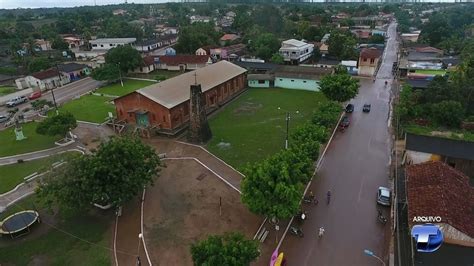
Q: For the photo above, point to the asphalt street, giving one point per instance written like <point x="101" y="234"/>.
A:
<point x="64" y="93"/>
<point x="355" y="165"/>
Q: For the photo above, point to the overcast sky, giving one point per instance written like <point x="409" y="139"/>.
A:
<point x="71" y="3"/>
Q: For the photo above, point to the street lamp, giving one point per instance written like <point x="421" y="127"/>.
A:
<point x="371" y="254"/>
<point x="140" y="236"/>
<point x="120" y="74"/>
<point x="287" y="124"/>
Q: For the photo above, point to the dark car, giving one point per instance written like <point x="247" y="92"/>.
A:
<point x="345" y="121"/>
<point x="4" y="118"/>
<point x="350" y="108"/>
<point x="366" y="108"/>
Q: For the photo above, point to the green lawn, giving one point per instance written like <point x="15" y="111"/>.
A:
<point x="253" y="127"/>
<point x="4" y="90"/>
<point x="11" y="175"/>
<point x="129" y="85"/>
<point x="154" y="74"/>
<point x="59" y="248"/>
<point x="431" y="72"/>
<point x="34" y="142"/>
<point x="90" y="108"/>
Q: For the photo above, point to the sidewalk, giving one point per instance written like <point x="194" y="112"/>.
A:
<point x="24" y="190"/>
<point x="37" y="154"/>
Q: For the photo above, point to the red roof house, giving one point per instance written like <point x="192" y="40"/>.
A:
<point x="437" y="189"/>
<point x="182" y="62"/>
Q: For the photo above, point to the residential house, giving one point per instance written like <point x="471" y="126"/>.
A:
<point x="369" y="60"/>
<point x="260" y="80"/>
<point x="362" y="34"/>
<point x="201" y="51"/>
<point x="166" y="30"/>
<point x="257" y="67"/>
<point x="73" y="42"/>
<point x="170" y="51"/>
<point x="227" y="53"/>
<point x="226" y="38"/>
<point x="197" y="18"/>
<point x="148" y="45"/>
<point x="300" y="77"/>
<point x="326" y="62"/>
<point x="165" y="106"/>
<point x="295" y="52"/>
<point x="147" y="65"/>
<point x="351" y="66"/>
<point x="182" y="62"/>
<point x="109" y="43"/>
<point x="43" y="80"/>
<point x="119" y="12"/>
<point x="436" y="189"/>
<point x="410" y="37"/>
<point x="378" y="32"/>
<point x="74" y="71"/>
<point x="456" y="153"/>
<point x="44" y="45"/>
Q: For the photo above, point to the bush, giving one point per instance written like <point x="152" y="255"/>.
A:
<point x="160" y="77"/>
<point x="8" y="70"/>
<point x="448" y="113"/>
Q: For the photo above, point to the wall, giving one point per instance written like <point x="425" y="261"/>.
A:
<point x="256" y="84"/>
<point x="300" y="84"/>
<point x="367" y="67"/>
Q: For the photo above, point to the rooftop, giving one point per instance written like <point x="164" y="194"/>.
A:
<point x="174" y="91"/>
<point x="113" y="40"/>
<point x="442" y="146"/>
<point x="436" y="189"/>
<point x="293" y="42"/>
<point x="49" y="73"/>
<point x="302" y="72"/>
<point x="260" y="77"/>
<point x="174" y="60"/>
<point x="71" y="67"/>
<point x="370" y="53"/>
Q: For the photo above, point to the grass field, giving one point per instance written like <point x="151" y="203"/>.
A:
<point x="450" y="134"/>
<point x="90" y="108"/>
<point x="4" y="90"/>
<point x="34" y="142"/>
<point x="252" y="127"/>
<point x="431" y="72"/>
<point x="48" y="246"/>
<point x="129" y="85"/>
<point x="11" y="175"/>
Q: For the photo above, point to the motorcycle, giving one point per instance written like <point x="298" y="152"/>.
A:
<point x="310" y="199"/>
<point x="328" y="197"/>
<point x="301" y="216"/>
<point x="381" y="218"/>
<point x="296" y="231"/>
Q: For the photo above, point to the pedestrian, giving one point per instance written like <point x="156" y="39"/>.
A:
<point x="321" y="231"/>
<point x="311" y="194"/>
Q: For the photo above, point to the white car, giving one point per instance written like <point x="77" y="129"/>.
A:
<point x="16" y="101"/>
<point x="383" y="196"/>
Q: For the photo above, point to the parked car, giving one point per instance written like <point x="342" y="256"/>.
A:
<point x="4" y="118"/>
<point x="366" y="108"/>
<point x="350" y="108"/>
<point x="345" y="121"/>
<point x="383" y="196"/>
<point x="16" y="101"/>
<point x="34" y="95"/>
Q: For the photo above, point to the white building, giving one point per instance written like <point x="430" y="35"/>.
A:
<point x="43" y="80"/>
<point x="109" y="43"/>
<point x="295" y="52"/>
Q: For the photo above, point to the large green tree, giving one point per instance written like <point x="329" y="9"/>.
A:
<point x="265" y="45"/>
<point x="116" y="173"/>
<point x="38" y="64"/>
<point x="231" y="249"/>
<point x="126" y="57"/>
<point x="342" y="45"/>
<point x="196" y="35"/>
<point x="339" y="87"/>
<point x="57" y="125"/>
<point x="449" y="113"/>
<point x="108" y="72"/>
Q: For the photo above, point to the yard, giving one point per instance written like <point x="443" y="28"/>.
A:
<point x="129" y="85"/>
<point x="440" y="132"/>
<point x="257" y="128"/>
<point x="4" y="90"/>
<point x="83" y="239"/>
<point x="11" y="175"/>
<point x="34" y="142"/>
<point x="183" y="207"/>
<point x="90" y="108"/>
<point x="431" y="72"/>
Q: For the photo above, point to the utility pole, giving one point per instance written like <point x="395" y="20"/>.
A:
<point x="52" y="89"/>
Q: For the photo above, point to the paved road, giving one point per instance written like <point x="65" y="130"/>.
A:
<point x="65" y="93"/>
<point x="356" y="163"/>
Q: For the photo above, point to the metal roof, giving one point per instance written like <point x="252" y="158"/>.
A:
<point x="441" y="146"/>
<point x="293" y="42"/>
<point x="174" y="91"/>
<point x="113" y="40"/>
<point x="260" y="77"/>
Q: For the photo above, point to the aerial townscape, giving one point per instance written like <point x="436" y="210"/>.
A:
<point x="233" y="133"/>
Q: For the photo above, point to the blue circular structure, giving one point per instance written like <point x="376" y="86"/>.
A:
<point x="19" y="223"/>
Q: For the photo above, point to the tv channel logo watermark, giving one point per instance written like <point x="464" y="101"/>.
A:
<point x="428" y="237"/>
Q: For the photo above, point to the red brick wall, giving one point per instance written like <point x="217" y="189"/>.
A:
<point x="170" y="119"/>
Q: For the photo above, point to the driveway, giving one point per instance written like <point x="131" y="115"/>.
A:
<point x="356" y="163"/>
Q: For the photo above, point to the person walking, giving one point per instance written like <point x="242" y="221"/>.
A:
<point x="321" y="232"/>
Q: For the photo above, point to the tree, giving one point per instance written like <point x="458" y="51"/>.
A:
<point x="231" y="249"/>
<point x="126" y="57"/>
<point x="277" y="58"/>
<point x="274" y="186"/>
<point x="339" y="87"/>
<point x="448" y="113"/>
<point x="308" y="139"/>
<point x="108" y="72"/>
<point x="38" y="64"/>
<point x="242" y="22"/>
<point x="342" y="45"/>
<point x="115" y="174"/>
<point x="326" y="115"/>
<point x="57" y="125"/>
<point x="59" y="44"/>
<point x="377" y="39"/>
<point x="265" y="45"/>
<point x="196" y="35"/>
